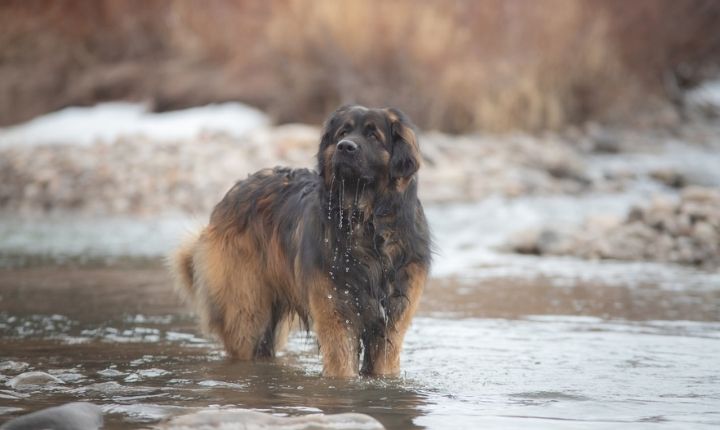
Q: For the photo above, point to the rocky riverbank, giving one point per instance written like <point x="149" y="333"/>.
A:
<point x="684" y="230"/>
<point x="137" y="175"/>
<point x="152" y="165"/>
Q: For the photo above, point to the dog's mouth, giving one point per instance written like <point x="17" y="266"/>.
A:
<point x="352" y="172"/>
<point x="346" y="166"/>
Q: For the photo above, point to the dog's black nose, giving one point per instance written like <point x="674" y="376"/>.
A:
<point x="347" y="146"/>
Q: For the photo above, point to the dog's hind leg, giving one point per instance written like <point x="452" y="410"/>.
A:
<point x="282" y="331"/>
<point x="276" y="332"/>
<point x="235" y="303"/>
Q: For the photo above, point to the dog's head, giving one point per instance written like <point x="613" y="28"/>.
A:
<point x="377" y="146"/>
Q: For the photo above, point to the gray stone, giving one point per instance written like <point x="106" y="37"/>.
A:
<point x="669" y="177"/>
<point x="71" y="416"/>
<point x="701" y="194"/>
<point x="242" y="419"/>
<point x="33" y="379"/>
<point x="602" y="141"/>
<point x="703" y="232"/>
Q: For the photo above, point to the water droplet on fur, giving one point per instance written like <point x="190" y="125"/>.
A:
<point x="347" y="291"/>
<point x="340" y="203"/>
<point x="327" y="240"/>
<point x="330" y="198"/>
<point x="347" y="321"/>
<point x="347" y="269"/>
<point x="329" y="296"/>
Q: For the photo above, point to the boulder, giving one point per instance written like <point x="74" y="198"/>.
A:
<point x="33" y="379"/>
<point x="71" y="416"/>
<point x="242" y="419"/>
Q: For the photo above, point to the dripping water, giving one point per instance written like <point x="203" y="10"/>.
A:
<point x="341" y="197"/>
<point x="385" y="339"/>
<point x="332" y="182"/>
<point x="329" y="210"/>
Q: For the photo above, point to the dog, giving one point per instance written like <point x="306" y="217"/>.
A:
<point x="345" y="248"/>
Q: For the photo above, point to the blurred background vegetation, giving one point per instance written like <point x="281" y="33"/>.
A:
<point x="455" y="66"/>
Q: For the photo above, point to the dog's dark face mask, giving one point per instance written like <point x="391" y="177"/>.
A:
<point x="374" y="146"/>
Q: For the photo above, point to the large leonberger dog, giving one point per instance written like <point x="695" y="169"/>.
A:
<point x="346" y="248"/>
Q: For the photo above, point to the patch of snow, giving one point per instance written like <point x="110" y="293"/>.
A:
<point x="109" y="121"/>
<point x="706" y="94"/>
<point x="698" y="164"/>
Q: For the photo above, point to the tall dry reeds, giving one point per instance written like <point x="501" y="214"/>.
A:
<point x="457" y="66"/>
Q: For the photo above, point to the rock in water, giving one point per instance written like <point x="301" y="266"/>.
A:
<point x="71" y="416"/>
<point x="231" y="419"/>
<point x="27" y="379"/>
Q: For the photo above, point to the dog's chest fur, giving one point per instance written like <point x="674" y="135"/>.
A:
<point x="361" y="252"/>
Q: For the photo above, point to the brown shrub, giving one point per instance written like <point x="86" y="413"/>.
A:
<point x="455" y="66"/>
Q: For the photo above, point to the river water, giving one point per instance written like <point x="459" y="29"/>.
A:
<point x="500" y="341"/>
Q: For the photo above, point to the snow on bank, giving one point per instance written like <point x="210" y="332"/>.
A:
<point x="707" y="94"/>
<point x="109" y="121"/>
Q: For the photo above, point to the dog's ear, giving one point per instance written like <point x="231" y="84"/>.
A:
<point x="405" y="154"/>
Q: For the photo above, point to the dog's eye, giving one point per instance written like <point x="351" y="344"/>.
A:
<point x="343" y="133"/>
<point x="371" y="134"/>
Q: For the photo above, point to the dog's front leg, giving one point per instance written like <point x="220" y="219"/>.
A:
<point x="384" y="352"/>
<point x="339" y="344"/>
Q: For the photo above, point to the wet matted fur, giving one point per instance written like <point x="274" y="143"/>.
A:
<point x="346" y="248"/>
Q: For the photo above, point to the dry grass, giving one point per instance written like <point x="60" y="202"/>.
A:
<point x="456" y="66"/>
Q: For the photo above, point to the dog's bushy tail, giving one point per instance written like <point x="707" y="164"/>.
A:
<point x="181" y="266"/>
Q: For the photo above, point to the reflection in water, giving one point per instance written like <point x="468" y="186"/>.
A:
<point x="493" y="354"/>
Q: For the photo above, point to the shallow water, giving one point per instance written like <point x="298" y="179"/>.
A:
<point x="500" y="341"/>
<point x="490" y="353"/>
